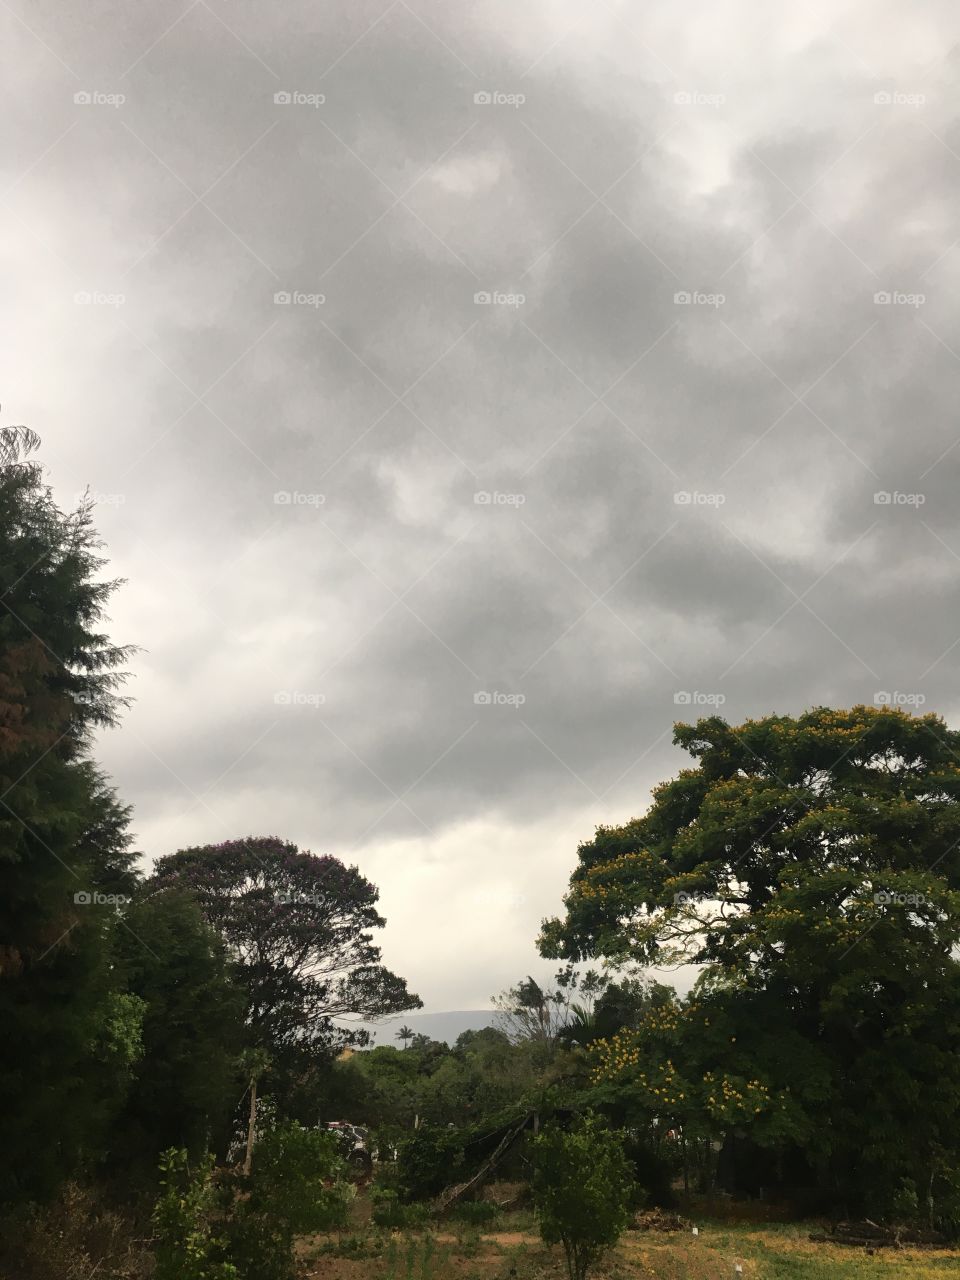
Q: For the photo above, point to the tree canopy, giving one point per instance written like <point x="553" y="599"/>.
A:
<point x="299" y="929"/>
<point x="811" y="866"/>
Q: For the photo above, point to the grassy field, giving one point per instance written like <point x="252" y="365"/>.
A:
<point x="514" y="1251"/>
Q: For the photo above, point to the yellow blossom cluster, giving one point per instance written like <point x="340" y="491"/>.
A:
<point x="726" y="1099"/>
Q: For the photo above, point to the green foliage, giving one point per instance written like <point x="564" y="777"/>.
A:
<point x="428" y="1160"/>
<point x="812" y="866"/>
<point x="414" y="1260"/>
<point x="121" y="1031"/>
<point x="245" y="1228"/>
<point x="186" y="1081"/>
<point x="187" y="1247"/>
<point x="296" y="1188"/>
<point x="389" y="1211"/>
<point x="476" y="1213"/>
<point x="581" y="1188"/>
<point x="298" y="1176"/>
<point x="62" y="833"/>
<point x="298" y="928"/>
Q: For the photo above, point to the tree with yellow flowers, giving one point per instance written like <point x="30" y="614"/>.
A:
<point x="810" y="866"/>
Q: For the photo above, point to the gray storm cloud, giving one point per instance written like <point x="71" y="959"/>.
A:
<point x="699" y="444"/>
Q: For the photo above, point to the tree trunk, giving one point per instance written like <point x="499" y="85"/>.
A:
<point x="251" y="1128"/>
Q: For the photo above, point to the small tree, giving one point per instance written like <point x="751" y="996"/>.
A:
<point x="581" y="1187"/>
<point x="404" y="1034"/>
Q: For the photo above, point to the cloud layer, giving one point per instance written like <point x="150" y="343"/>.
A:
<point x="609" y="335"/>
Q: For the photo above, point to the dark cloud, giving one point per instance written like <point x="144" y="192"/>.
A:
<point x="346" y="517"/>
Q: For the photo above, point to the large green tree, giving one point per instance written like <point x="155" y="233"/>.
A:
<point x="186" y="1083"/>
<point x="64" y="844"/>
<point x="299" y="930"/>
<point x="811" y="865"/>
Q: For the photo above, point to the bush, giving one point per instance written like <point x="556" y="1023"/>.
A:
<point x="427" y="1161"/>
<point x="390" y="1211"/>
<point x="74" y="1236"/>
<point x="475" y="1213"/>
<point x="245" y="1229"/>
<point x="581" y="1187"/>
<point x="296" y="1186"/>
<point x="187" y="1247"/>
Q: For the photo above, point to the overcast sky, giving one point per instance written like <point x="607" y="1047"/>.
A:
<point x="312" y="666"/>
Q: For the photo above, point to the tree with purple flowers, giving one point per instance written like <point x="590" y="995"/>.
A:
<point x="299" y="929"/>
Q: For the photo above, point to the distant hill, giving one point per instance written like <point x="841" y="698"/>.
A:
<point x="438" y="1026"/>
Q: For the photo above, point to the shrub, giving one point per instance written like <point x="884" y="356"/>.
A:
<point x="416" y="1261"/>
<point x="390" y="1211"/>
<point x="475" y="1213"/>
<point x="187" y="1247"/>
<point x="296" y="1186"/>
<point x="427" y="1161"/>
<point x="581" y="1184"/>
<point x="76" y="1235"/>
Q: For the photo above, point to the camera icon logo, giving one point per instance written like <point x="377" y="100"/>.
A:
<point x="82" y="98"/>
<point x="883" y="98"/>
<point x="681" y="298"/>
<point x="482" y="299"/>
<point x="883" y="498"/>
<point x="682" y="698"/>
<point x="482" y="699"/>
<point x="882" y="299"/>
<point x="83" y="898"/>
<point x="281" y="299"/>
<point x="282" y="698"/>
<point x="482" y="99"/>
<point x="282" y="99"/>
